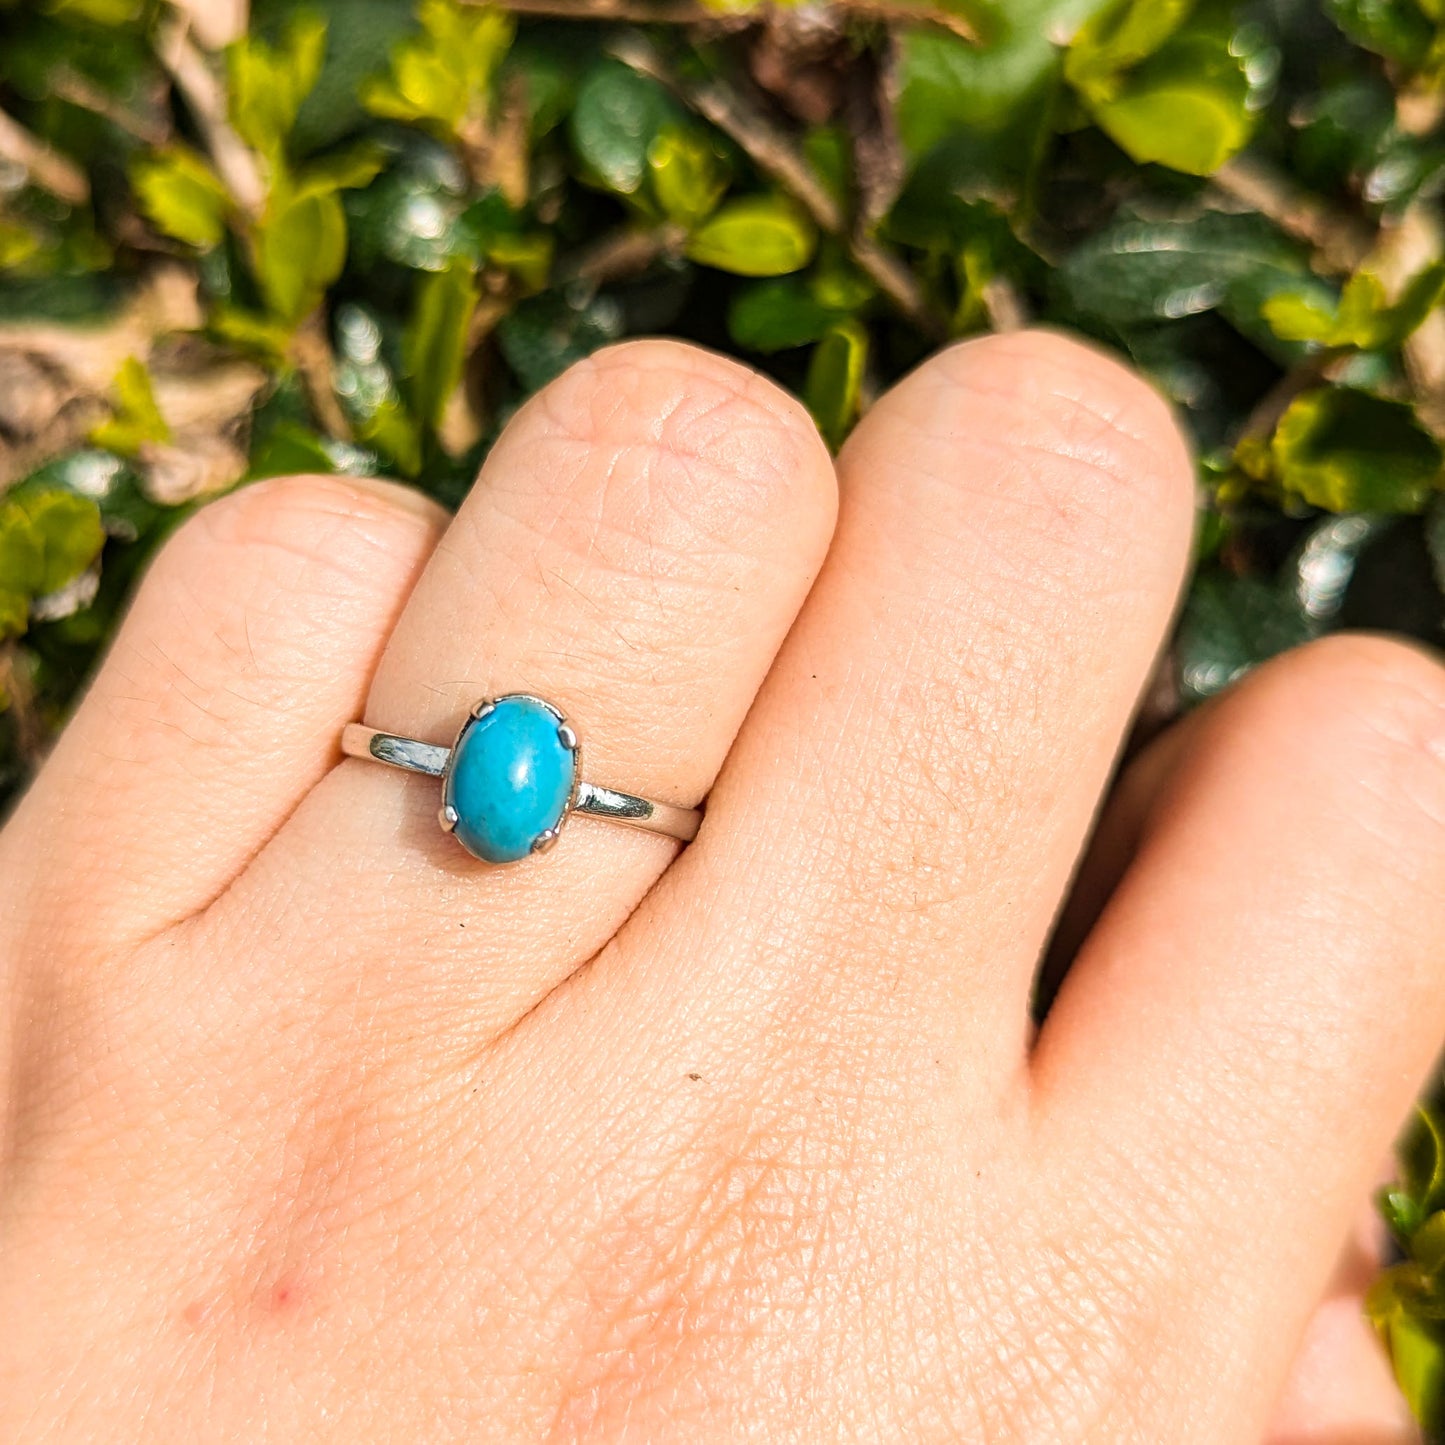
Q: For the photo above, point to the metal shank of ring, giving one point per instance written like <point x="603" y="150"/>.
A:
<point x="359" y="741"/>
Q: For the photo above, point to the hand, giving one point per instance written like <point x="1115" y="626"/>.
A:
<point x="314" y="1128"/>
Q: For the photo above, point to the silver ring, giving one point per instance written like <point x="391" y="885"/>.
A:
<point x="513" y="777"/>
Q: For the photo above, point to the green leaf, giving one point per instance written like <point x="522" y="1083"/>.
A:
<point x="617" y="117"/>
<point x="393" y="432"/>
<point x="343" y="170"/>
<point x="1293" y="317"/>
<point x="288" y="449"/>
<point x="1346" y="450"/>
<point x="1118" y="39"/>
<point x="14" y="616"/>
<point x="1230" y="625"/>
<point x="47" y="539"/>
<point x="1396" y="29"/>
<point x="368" y="390"/>
<point x="546" y="335"/>
<point x="268" y="83"/>
<point x="834" y="389"/>
<point x="263" y="335"/>
<point x="1421" y="295"/>
<point x="1364" y="318"/>
<point x="548" y="77"/>
<point x="755" y="236"/>
<point x="1143" y="272"/>
<point x="687" y="173"/>
<point x="1417" y="1352"/>
<point x="300" y="250"/>
<point x="98" y="12"/>
<point x="989" y="109"/>
<point x="525" y="255"/>
<point x="778" y="315"/>
<point x="17" y="244"/>
<point x="136" y="418"/>
<point x="443" y="76"/>
<point x="1190" y="106"/>
<point x="1422" y="1161"/>
<point x="434" y="348"/>
<point x="412" y="212"/>
<point x="181" y="195"/>
<point x="1427" y="1244"/>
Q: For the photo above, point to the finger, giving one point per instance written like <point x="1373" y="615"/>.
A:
<point x="908" y="798"/>
<point x="1340" y="1388"/>
<point x="257" y="626"/>
<point x="635" y="550"/>
<point x="1111" y="849"/>
<point x="1243" y="1032"/>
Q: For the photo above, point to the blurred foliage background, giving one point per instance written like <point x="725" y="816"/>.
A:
<point x="354" y="235"/>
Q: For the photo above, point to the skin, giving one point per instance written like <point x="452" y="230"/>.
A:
<point x="314" y="1129"/>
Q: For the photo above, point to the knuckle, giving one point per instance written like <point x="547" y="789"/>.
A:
<point x="1382" y="704"/>
<point x="1080" y="448"/>
<point x="1088" y="408"/>
<point x="337" y="524"/>
<point x="685" y="444"/>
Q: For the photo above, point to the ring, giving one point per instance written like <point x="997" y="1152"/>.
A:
<point x="512" y="779"/>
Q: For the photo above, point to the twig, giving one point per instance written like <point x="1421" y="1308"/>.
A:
<point x="1407" y="248"/>
<point x="67" y="431"/>
<point x="49" y="170"/>
<point x="1339" y="242"/>
<point x="70" y="85"/>
<point x="901" y="12"/>
<point x="317" y="369"/>
<point x="188" y="68"/>
<point x="16" y="684"/>
<point x="689" y="12"/>
<point x="622" y="254"/>
<point x="1311" y="372"/>
<point x="630" y="12"/>
<point x="775" y="155"/>
<point x="1007" y="310"/>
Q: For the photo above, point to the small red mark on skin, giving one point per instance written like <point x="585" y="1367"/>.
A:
<point x="194" y="1313"/>
<point x="285" y="1296"/>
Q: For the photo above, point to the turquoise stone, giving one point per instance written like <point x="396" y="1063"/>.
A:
<point x="510" y="779"/>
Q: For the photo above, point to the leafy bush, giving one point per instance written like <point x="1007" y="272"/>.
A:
<point x="354" y="236"/>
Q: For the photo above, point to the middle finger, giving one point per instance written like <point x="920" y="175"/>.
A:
<point x="910" y="795"/>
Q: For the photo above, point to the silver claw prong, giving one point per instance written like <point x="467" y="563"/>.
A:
<point x="482" y="709"/>
<point x="543" y="842"/>
<point x="567" y="737"/>
<point x="448" y="817"/>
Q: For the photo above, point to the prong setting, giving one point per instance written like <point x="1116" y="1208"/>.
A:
<point x="483" y="708"/>
<point x="567" y="736"/>
<point x="545" y="842"/>
<point x="448" y="817"/>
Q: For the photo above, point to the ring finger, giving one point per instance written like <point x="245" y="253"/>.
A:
<point x="635" y="550"/>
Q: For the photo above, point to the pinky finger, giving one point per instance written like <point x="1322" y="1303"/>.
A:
<point x="1341" y="1390"/>
<point x="252" y="638"/>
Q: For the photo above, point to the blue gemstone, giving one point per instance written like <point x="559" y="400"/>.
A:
<point x="510" y="780"/>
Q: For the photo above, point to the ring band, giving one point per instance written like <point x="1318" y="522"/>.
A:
<point x="512" y="779"/>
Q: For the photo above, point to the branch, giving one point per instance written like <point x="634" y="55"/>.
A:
<point x="1339" y="241"/>
<point x="1311" y="372"/>
<point x="188" y="68"/>
<point x="691" y="12"/>
<point x="18" y="687"/>
<point x="45" y="166"/>
<point x="70" y="85"/>
<point x="775" y="155"/>
<point x="316" y="367"/>
<point x="619" y="256"/>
